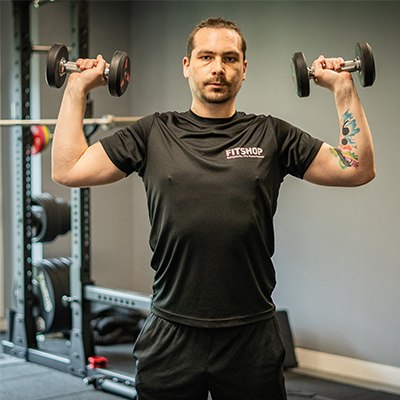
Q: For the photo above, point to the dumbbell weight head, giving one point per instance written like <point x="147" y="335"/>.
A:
<point x="300" y="75"/>
<point x="366" y="73"/>
<point x="119" y="74"/>
<point x="54" y="77"/>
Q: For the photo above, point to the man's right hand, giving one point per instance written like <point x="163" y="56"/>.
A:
<point x="91" y="77"/>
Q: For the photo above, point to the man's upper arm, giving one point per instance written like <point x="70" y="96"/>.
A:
<point x="94" y="168"/>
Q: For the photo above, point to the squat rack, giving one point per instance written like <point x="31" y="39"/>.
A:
<point x="22" y="335"/>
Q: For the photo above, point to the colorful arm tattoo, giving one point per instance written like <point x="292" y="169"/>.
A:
<point x="345" y="151"/>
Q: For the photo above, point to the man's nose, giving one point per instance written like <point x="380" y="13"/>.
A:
<point x="218" y="67"/>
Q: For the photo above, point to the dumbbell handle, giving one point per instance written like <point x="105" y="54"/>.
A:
<point x="69" y="67"/>
<point x="349" y="66"/>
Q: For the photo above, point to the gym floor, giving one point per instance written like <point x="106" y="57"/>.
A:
<point x="22" y="380"/>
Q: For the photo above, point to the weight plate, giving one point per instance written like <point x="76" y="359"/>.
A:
<point x="55" y="218"/>
<point x="119" y="74"/>
<point x="64" y="211"/>
<point x="46" y="297"/>
<point x="62" y="316"/>
<point x="56" y="284"/>
<point x="46" y="136"/>
<point x="41" y="218"/>
<point x="43" y="201"/>
<point x="58" y="280"/>
<point x="366" y="74"/>
<point x="65" y="266"/>
<point x="36" y="222"/>
<point x="300" y="75"/>
<point x="38" y="139"/>
<point x="54" y="57"/>
<point x="63" y="272"/>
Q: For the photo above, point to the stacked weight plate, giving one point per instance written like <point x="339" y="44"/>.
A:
<point x="50" y="284"/>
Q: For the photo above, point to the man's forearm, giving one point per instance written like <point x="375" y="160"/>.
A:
<point x="355" y="149"/>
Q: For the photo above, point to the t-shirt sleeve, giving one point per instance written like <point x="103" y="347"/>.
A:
<point x="297" y="149"/>
<point x="126" y="148"/>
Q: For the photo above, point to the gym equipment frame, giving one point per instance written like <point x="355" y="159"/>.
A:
<point x="22" y="332"/>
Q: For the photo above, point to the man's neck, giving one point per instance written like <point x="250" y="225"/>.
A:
<point x="210" y="110"/>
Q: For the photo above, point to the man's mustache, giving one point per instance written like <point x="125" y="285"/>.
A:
<point x="221" y="81"/>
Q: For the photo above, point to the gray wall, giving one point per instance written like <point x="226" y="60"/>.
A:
<point x="337" y="250"/>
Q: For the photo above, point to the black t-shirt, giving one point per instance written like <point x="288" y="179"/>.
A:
<point x="212" y="187"/>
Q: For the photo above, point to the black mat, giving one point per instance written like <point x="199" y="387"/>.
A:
<point x="22" y="380"/>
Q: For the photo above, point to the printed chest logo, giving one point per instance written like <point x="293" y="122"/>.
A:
<point x="244" y="152"/>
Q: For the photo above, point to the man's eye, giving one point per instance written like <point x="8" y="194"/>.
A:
<point x="230" y="59"/>
<point x="206" y="58"/>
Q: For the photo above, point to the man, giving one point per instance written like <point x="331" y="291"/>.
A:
<point x="212" y="177"/>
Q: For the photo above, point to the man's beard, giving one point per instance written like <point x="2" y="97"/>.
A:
<point x="217" y="96"/>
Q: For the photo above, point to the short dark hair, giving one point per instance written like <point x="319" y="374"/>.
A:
<point x="215" y="23"/>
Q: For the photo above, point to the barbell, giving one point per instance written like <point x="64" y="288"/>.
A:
<point x="41" y="135"/>
<point x="363" y="63"/>
<point x="106" y="122"/>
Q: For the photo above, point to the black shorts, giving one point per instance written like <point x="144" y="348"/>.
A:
<point x="179" y="362"/>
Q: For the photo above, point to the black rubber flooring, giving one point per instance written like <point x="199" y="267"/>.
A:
<point x="22" y="380"/>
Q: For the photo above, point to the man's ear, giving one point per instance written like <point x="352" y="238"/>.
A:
<point x="186" y="67"/>
<point x="244" y="69"/>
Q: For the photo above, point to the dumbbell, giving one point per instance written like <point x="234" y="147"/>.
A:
<point x="363" y="63"/>
<point x="57" y="66"/>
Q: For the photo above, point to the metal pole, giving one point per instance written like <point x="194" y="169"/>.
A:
<point x="107" y="121"/>
<point x="43" y="48"/>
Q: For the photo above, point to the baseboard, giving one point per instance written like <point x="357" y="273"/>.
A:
<point x="348" y="367"/>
